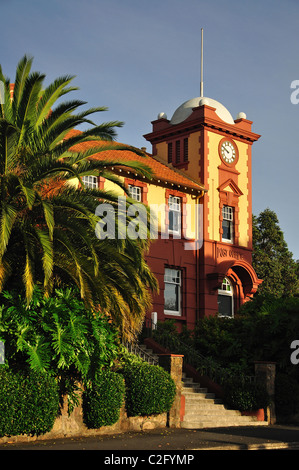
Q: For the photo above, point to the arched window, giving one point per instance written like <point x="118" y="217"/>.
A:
<point x="226" y="299"/>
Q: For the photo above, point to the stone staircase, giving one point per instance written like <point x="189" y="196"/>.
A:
<point x="202" y="408"/>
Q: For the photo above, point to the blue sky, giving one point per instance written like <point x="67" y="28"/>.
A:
<point x="140" y="58"/>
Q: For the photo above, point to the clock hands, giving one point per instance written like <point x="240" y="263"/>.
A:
<point x="228" y="152"/>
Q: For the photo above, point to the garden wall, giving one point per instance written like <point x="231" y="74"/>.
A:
<point x="73" y="426"/>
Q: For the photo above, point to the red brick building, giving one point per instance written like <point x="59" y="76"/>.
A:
<point x="201" y="159"/>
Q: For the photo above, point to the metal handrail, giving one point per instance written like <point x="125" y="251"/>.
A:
<point x="136" y="349"/>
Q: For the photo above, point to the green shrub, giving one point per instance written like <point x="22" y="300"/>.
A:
<point x="126" y="358"/>
<point x="103" y="400"/>
<point x="149" y="389"/>
<point x="245" y="396"/>
<point x="29" y="403"/>
<point x="286" y="396"/>
<point x="58" y="334"/>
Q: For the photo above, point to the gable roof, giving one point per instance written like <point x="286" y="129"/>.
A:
<point x="163" y="173"/>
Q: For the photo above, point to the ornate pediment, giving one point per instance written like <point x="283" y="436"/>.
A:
<point x="230" y="186"/>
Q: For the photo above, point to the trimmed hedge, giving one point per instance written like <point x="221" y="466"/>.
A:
<point x="149" y="389"/>
<point x="29" y="403"/>
<point x="103" y="400"/>
<point x="245" y="396"/>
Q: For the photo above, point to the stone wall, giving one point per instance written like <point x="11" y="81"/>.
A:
<point x="73" y="426"/>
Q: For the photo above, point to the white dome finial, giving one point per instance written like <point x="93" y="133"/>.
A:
<point x="203" y="101"/>
<point x="162" y="116"/>
<point x="241" y="115"/>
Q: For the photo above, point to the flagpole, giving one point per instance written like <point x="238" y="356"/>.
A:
<point x="201" y="66"/>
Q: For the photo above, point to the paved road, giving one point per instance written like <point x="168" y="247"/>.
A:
<point x="169" y="440"/>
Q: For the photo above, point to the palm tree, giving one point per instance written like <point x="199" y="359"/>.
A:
<point x="47" y="226"/>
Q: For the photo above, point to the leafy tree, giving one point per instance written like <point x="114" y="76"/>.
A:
<point x="272" y="260"/>
<point x="47" y="225"/>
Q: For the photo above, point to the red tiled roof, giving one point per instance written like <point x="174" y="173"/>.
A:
<point x="161" y="171"/>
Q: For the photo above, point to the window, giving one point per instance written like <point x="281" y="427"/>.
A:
<point x="226" y="299"/>
<point x="90" y="181"/>
<point x="185" y="150"/>
<point x="227" y="224"/>
<point x="177" y="151"/>
<point x="135" y="192"/>
<point x="170" y="152"/>
<point x="174" y="215"/>
<point x="172" y="291"/>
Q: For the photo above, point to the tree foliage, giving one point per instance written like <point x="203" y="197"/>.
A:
<point x="58" y="335"/>
<point x="272" y="260"/>
<point x="47" y="225"/>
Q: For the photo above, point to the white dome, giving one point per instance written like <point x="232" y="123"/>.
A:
<point x="185" y="110"/>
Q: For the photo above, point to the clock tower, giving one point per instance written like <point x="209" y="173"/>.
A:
<point x="204" y="141"/>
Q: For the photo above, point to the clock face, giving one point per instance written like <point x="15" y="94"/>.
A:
<point x="228" y="152"/>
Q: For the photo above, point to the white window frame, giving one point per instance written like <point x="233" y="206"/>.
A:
<point x="173" y="277"/>
<point x="135" y="192"/>
<point x="228" y="290"/>
<point x="174" y="207"/>
<point x="90" y="181"/>
<point x="228" y="216"/>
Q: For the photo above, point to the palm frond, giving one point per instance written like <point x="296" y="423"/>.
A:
<point x="8" y="140"/>
<point x="50" y="95"/>
<point x="22" y="72"/>
<point x="28" y="275"/>
<point x="8" y="216"/>
<point x="26" y="115"/>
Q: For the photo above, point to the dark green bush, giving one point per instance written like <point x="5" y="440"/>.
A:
<point x="286" y="396"/>
<point x="149" y="389"/>
<point x="103" y="400"/>
<point x="29" y="402"/>
<point x="244" y="396"/>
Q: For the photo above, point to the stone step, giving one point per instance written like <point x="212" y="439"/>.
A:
<point x="193" y="388"/>
<point x="216" y="417"/>
<point x="238" y="418"/>
<point x="203" y="409"/>
<point x="187" y="380"/>
<point x="204" y="401"/>
<point x="211" y="410"/>
<point x="198" y="395"/>
<point x="205" y="405"/>
<point x="217" y="423"/>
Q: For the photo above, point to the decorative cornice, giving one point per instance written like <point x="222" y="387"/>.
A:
<point x="202" y="116"/>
